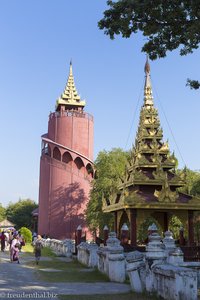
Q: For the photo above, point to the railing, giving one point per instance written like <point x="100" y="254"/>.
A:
<point x="71" y="113"/>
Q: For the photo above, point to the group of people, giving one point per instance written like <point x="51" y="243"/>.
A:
<point x="13" y="242"/>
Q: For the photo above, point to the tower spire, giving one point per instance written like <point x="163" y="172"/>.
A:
<point x="70" y="68"/>
<point x="148" y="97"/>
<point x="70" y="98"/>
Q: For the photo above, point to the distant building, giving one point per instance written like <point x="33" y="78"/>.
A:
<point x="5" y="224"/>
<point x="66" y="166"/>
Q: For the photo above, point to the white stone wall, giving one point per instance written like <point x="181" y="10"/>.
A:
<point x="160" y="269"/>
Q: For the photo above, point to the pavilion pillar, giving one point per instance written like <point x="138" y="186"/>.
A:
<point x="133" y="227"/>
<point x="165" y="221"/>
<point x="191" y="227"/>
<point x="115" y="223"/>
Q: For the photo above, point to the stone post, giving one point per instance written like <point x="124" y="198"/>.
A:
<point x="176" y="257"/>
<point x="93" y="258"/>
<point x="136" y="271"/>
<point x="124" y="234"/>
<point x="68" y="248"/>
<point x="105" y="234"/>
<point x="169" y="243"/>
<point x="155" y="254"/>
<point x="116" y="260"/>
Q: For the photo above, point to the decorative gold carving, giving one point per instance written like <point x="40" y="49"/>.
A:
<point x="164" y="147"/>
<point x="152" y="132"/>
<point x="170" y="160"/>
<point x="159" y="174"/>
<point x="155" y="145"/>
<point x="141" y="160"/>
<point x="160" y="133"/>
<point x="151" y="120"/>
<point x="157" y="158"/>
<point x="166" y="195"/>
<point x="142" y="146"/>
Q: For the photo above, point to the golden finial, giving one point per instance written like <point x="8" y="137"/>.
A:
<point x="70" y="68"/>
<point x="147" y="66"/>
<point x="70" y="95"/>
<point x="148" y="98"/>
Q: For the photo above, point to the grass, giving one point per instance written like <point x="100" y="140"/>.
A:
<point x="70" y="272"/>
<point x="48" y="252"/>
<point x="128" y="296"/>
<point x="27" y="249"/>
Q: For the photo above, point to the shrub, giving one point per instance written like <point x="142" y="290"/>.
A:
<point x="26" y="234"/>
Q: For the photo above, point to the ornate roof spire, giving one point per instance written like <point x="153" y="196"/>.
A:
<point x="70" y="97"/>
<point x="148" y="97"/>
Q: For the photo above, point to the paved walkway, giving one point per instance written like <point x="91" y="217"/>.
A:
<point x="19" y="281"/>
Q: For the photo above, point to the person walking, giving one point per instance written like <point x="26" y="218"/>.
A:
<point x="3" y="241"/>
<point x="14" y="248"/>
<point x="37" y="248"/>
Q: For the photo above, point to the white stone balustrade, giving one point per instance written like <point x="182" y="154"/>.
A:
<point x="160" y="269"/>
<point x="61" y="248"/>
<point x="102" y="253"/>
<point x="68" y="248"/>
<point x="175" y="283"/>
<point x="193" y="265"/>
<point x="87" y="254"/>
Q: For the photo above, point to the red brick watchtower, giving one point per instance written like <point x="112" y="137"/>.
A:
<point x="66" y="166"/>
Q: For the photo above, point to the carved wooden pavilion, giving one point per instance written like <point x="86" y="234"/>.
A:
<point x="149" y="188"/>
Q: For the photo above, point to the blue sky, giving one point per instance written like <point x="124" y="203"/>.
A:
<point x="38" y="40"/>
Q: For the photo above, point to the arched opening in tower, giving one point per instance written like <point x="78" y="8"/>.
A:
<point x="67" y="158"/>
<point x="56" y="154"/>
<point x="90" y="170"/>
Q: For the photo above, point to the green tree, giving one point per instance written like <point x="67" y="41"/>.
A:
<point x="142" y="233"/>
<point x="110" y="167"/>
<point x="2" y="212"/>
<point x="192" y="179"/>
<point x="195" y="190"/>
<point x="167" y="25"/>
<point x="174" y="226"/>
<point x="20" y="212"/>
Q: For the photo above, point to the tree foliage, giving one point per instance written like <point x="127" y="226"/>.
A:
<point x="142" y="233"/>
<point x="2" y="213"/>
<point x="192" y="178"/>
<point x="20" y="212"/>
<point x="174" y="226"/>
<point x="110" y="167"/>
<point x="167" y="25"/>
